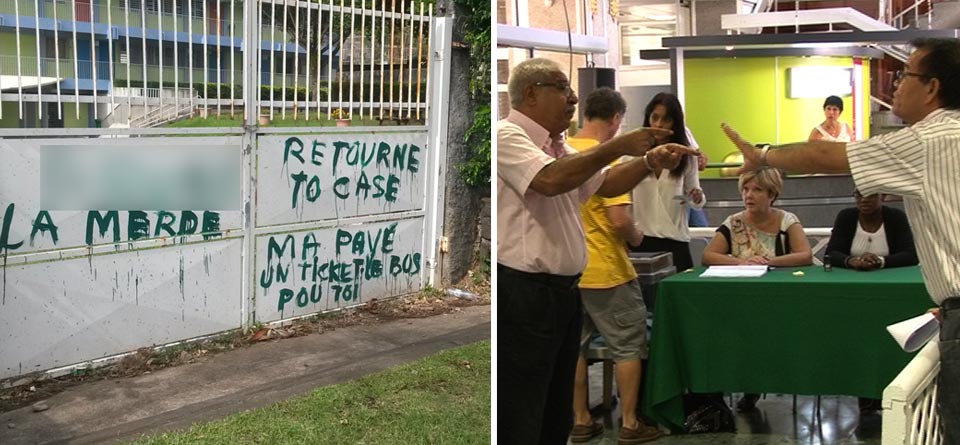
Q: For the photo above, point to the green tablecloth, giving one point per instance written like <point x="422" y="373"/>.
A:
<point x="820" y="333"/>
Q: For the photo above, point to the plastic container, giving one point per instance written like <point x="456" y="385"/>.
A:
<point x="652" y="267"/>
<point x="460" y="293"/>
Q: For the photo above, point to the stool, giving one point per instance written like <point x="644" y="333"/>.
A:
<point x="598" y="351"/>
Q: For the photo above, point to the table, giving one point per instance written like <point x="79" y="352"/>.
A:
<point x="820" y="333"/>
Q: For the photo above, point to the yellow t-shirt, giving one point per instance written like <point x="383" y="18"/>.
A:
<point x="607" y="262"/>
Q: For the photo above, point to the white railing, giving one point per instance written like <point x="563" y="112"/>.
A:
<point x="154" y="93"/>
<point x="162" y="115"/>
<point x="363" y="60"/>
<point x="910" y="402"/>
<point x="900" y="21"/>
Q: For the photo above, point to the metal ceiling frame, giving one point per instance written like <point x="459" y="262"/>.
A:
<point x="549" y="40"/>
<point x="678" y="47"/>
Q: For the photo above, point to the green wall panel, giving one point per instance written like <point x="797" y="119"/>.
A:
<point x="740" y="92"/>
<point x="11" y="117"/>
<point x="750" y="94"/>
<point x="70" y="119"/>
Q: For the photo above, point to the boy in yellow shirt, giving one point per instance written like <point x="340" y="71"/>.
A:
<point x="612" y="300"/>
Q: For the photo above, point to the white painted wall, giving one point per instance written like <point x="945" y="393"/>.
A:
<point x="64" y="302"/>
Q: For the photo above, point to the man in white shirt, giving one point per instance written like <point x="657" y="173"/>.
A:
<point x="541" y="248"/>
<point x="920" y="163"/>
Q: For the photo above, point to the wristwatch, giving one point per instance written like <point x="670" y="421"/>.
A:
<point x="763" y="155"/>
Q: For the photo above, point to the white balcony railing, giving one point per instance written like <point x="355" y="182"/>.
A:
<point x="910" y="402"/>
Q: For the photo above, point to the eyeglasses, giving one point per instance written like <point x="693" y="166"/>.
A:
<point x="565" y="87"/>
<point x="900" y="75"/>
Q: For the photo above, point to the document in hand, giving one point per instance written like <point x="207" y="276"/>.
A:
<point x="913" y="333"/>
<point x="734" y="271"/>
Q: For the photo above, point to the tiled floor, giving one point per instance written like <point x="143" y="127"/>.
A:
<point x="773" y="422"/>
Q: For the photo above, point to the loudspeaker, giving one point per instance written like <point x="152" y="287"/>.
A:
<point x="591" y="79"/>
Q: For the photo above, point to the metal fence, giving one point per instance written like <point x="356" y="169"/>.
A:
<point x="329" y="217"/>
<point x="317" y="59"/>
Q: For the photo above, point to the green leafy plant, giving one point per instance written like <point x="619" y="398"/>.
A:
<point x="476" y="170"/>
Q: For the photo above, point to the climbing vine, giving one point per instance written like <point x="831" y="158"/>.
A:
<point x="476" y="170"/>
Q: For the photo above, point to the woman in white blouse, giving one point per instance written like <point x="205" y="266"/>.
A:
<point x="871" y="236"/>
<point x="661" y="201"/>
<point x="831" y="129"/>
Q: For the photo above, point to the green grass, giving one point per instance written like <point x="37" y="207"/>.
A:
<point x="441" y="399"/>
<point x="226" y="120"/>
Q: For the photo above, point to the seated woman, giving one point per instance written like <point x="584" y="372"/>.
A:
<point x="867" y="237"/>
<point x="831" y="129"/>
<point x="760" y="234"/>
<point x="871" y="236"/>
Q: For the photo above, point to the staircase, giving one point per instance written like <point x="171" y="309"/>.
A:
<point x="163" y="115"/>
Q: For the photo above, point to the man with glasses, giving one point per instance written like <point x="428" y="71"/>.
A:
<point x="541" y="248"/>
<point x="920" y="163"/>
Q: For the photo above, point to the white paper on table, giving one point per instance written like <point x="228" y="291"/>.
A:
<point x="734" y="271"/>
<point x="913" y="333"/>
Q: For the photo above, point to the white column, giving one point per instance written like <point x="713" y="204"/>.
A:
<point x="436" y="184"/>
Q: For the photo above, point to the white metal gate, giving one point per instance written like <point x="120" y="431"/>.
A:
<point x="330" y="217"/>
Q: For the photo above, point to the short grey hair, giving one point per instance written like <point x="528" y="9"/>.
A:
<point x="528" y="73"/>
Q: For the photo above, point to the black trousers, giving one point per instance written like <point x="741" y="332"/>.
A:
<point x="948" y="388"/>
<point x="680" y="250"/>
<point x="539" y="318"/>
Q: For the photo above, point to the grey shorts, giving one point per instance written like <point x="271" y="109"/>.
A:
<point x="620" y="316"/>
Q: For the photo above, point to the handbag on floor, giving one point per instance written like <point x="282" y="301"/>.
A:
<point x="707" y="413"/>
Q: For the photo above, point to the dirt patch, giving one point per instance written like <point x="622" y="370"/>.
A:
<point x="427" y="303"/>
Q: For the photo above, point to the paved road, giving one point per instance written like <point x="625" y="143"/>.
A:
<point x="117" y="410"/>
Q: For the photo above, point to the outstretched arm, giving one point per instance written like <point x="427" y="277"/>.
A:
<point x="569" y="172"/>
<point x="804" y="157"/>
<point x="626" y="176"/>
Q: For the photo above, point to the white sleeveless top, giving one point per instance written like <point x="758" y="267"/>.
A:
<point x="843" y="137"/>
<point x="866" y="242"/>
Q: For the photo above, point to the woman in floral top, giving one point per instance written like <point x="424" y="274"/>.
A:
<point x="760" y="234"/>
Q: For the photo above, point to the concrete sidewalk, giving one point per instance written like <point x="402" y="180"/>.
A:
<point x="118" y="410"/>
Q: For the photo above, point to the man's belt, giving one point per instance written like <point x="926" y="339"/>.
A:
<point x="562" y="282"/>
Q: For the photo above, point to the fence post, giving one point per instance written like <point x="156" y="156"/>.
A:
<point x="250" y="96"/>
<point x="442" y="32"/>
